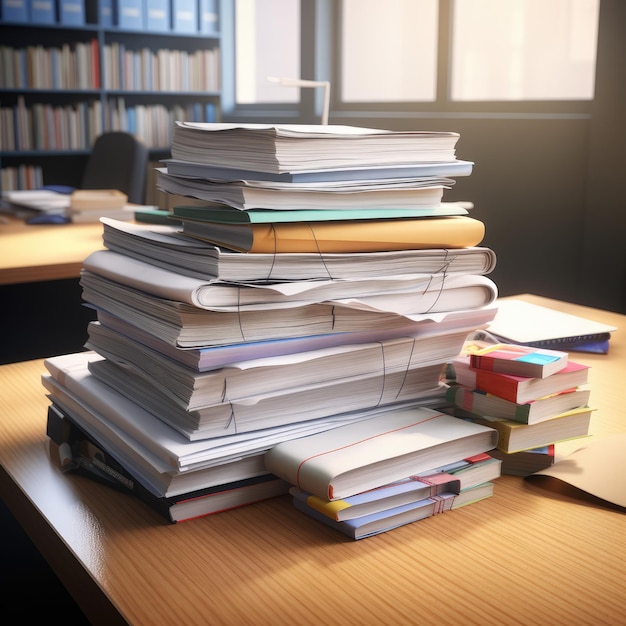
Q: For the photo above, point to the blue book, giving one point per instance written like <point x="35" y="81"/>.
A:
<point x="376" y="523"/>
<point x="131" y="120"/>
<point x="72" y="12"/>
<point x="42" y="12"/>
<point x="158" y="15"/>
<point x="209" y="112"/>
<point x="188" y="168"/>
<point x="105" y="13"/>
<point x="209" y="17"/>
<point x="15" y="10"/>
<point x="185" y="16"/>
<point x="130" y="14"/>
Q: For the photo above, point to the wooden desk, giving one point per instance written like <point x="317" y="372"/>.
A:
<point x="524" y="556"/>
<point x="30" y="253"/>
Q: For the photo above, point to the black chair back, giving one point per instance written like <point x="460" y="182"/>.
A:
<point x="118" y="161"/>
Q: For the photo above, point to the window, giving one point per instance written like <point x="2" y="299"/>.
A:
<point x="374" y="38"/>
<point x="267" y="36"/>
<point x="524" y="49"/>
<point x="418" y="55"/>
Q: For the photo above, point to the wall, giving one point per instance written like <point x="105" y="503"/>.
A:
<point x="528" y="186"/>
<point x="603" y="279"/>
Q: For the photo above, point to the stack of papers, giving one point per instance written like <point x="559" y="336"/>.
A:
<point x="206" y="355"/>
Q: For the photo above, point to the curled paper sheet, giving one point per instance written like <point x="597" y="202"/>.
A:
<point x="595" y="469"/>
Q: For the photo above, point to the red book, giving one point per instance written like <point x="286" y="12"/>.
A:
<point x="519" y="360"/>
<point x="519" y="389"/>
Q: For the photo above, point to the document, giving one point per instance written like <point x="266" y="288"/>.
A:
<point x="372" y="453"/>
<point x="246" y="195"/>
<point x="164" y="246"/>
<point x="595" y="469"/>
<point x="295" y="147"/>
<point x="422" y="293"/>
<point x="126" y="428"/>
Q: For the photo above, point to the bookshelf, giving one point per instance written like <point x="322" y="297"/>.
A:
<point x="117" y="65"/>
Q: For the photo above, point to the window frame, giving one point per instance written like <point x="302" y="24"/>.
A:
<point x="321" y="28"/>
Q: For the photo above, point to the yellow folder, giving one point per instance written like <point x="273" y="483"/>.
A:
<point x="342" y="237"/>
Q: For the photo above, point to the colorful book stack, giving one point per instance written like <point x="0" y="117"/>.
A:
<point x="205" y="357"/>
<point x="354" y="479"/>
<point x="533" y="397"/>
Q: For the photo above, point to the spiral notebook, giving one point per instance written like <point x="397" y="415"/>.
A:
<point x="529" y="324"/>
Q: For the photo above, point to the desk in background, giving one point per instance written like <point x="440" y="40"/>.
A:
<point x="524" y="556"/>
<point x="34" y="253"/>
<point x="42" y="310"/>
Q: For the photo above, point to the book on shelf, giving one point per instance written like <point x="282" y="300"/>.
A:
<point x="105" y="13"/>
<point x="530" y="412"/>
<point x="42" y="11"/>
<point x="457" y="231"/>
<point x="185" y="16"/>
<point x="519" y="389"/>
<point x="251" y="194"/>
<point x="296" y="147"/>
<point x="71" y="12"/>
<point x="15" y="11"/>
<point x="130" y="14"/>
<point x="525" y="462"/>
<point x="110" y="332"/>
<point x="128" y="278"/>
<point x="79" y="453"/>
<point x="166" y="247"/>
<point x="516" y="437"/>
<point x="449" y="169"/>
<point x="208" y="16"/>
<point x="384" y="521"/>
<point x="157" y="15"/>
<point x="340" y="463"/>
<point x="530" y="324"/>
<point x="519" y="360"/>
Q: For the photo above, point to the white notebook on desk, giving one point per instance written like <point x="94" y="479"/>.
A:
<point x="531" y="324"/>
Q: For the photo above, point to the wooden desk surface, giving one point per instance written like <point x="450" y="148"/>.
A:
<point x="524" y="556"/>
<point x="31" y="253"/>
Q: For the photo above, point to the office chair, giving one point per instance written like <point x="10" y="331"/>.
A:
<point x="119" y="161"/>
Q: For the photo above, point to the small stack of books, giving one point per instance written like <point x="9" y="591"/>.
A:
<point x="206" y="353"/>
<point x="368" y="478"/>
<point x="533" y="397"/>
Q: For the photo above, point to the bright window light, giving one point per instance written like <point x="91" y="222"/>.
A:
<point x="524" y="49"/>
<point x="267" y="44"/>
<point x="389" y="50"/>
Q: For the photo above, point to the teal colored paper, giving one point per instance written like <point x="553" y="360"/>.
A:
<point x="226" y="215"/>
